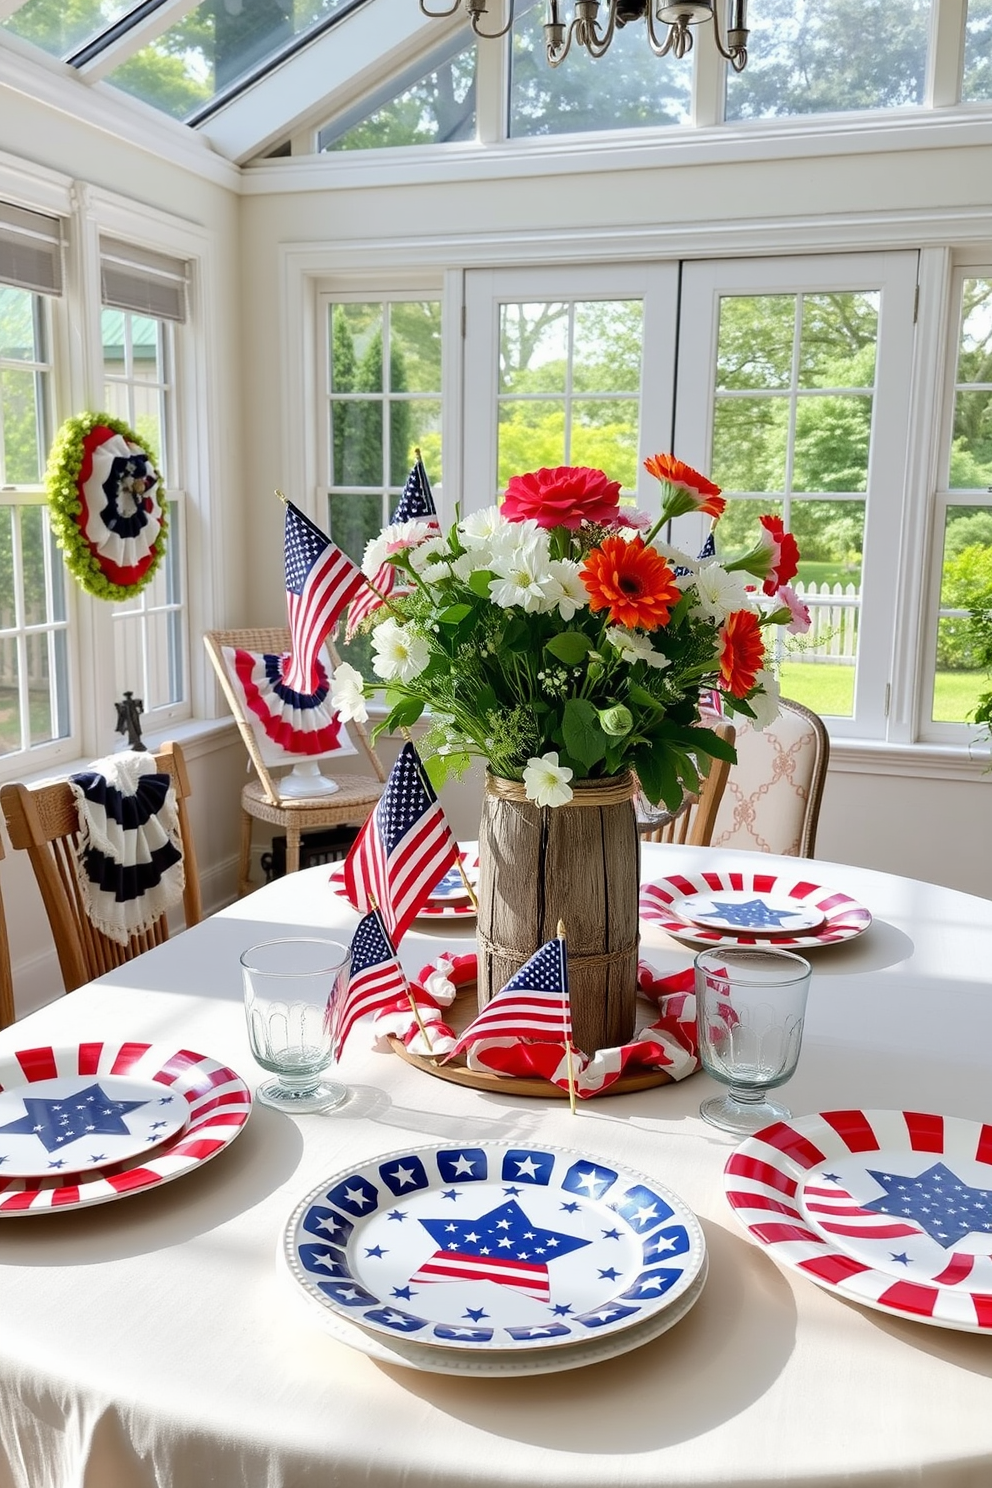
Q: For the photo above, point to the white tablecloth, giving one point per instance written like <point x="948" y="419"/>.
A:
<point x="152" y="1340"/>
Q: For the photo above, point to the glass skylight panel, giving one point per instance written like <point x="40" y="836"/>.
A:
<point x="977" y="82"/>
<point x="827" y="56"/>
<point x="213" y="48"/>
<point x="437" y="109"/>
<point x="631" y="89"/>
<point x="61" y="29"/>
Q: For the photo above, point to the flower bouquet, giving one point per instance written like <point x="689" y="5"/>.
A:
<point x="560" y="639"/>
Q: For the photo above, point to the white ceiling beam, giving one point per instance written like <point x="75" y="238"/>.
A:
<point x="352" y="56"/>
<point x="132" y="40"/>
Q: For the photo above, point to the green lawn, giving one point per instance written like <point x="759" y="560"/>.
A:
<point x="829" y="689"/>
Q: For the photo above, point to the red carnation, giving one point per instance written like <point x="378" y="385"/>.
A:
<point x="564" y="497"/>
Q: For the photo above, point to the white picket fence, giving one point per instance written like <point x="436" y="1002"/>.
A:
<point x="834" y="611"/>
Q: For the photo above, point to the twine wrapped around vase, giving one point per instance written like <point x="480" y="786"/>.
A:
<point x="578" y="863"/>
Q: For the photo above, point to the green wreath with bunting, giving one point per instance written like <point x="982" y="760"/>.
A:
<point x="104" y="498"/>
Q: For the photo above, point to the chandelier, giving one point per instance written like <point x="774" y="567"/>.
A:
<point x="667" y="25"/>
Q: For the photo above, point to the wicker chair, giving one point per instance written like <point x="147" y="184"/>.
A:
<point x="44" y="822"/>
<point x="350" y="805"/>
<point x="694" y="820"/>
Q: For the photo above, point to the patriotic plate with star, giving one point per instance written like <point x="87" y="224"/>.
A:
<point x="493" y="1247"/>
<point x="892" y="1209"/>
<point x="93" y="1122"/>
<point x="749" y="908"/>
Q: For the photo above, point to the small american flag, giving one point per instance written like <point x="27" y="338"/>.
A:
<point x="320" y="580"/>
<point x="416" y="504"/>
<point x="404" y="848"/>
<point x="708" y="550"/>
<point x="533" y="1005"/>
<point x="376" y="979"/>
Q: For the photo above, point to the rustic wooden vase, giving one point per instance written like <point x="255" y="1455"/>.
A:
<point x="579" y="864"/>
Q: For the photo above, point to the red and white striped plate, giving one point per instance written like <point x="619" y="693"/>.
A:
<point x="843" y="917"/>
<point x="218" y="1104"/>
<point x="892" y="1209"/>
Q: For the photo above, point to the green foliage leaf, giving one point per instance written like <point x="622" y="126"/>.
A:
<point x="405" y="713"/>
<point x="658" y="776"/>
<point x="443" y="767"/>
<point x="584" y="738"/>
<point x="569" y="647"/>
<point x="454" y="614"/>
<point x="479" y="582"/>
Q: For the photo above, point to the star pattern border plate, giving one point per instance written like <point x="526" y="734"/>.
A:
<point x="844" y="917"/>
<point x="800" y="1189"/>
<point x="627" y="1247"/>
<point x="495" y="1364"/>
<point x="218" y="1101"/>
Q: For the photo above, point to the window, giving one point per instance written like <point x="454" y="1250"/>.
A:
<point x="382" y="388"/>
<point x="793" y="379"/>
<point x="144" y="307"/>
<point x="963" y="514"/>
<point x="435" y="108"/>
<point x="820" y="56"/>
<point x="34" y="639"/>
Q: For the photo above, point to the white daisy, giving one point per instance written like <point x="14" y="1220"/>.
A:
<point x="522" y="571"/>
<point x="401" y="654"/>
<point x="348" y="694"/>
<point x="480" y="528"/>
<point x="718" y="592"/>
<point x="635" y="647"/>
<point x="765" y="704"/>
<point x="564" y="588"/>
<point x="546" y="781"/>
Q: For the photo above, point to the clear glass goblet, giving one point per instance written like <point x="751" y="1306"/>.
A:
<point x="750" y="1009"/>
<point x="293" y="989"/>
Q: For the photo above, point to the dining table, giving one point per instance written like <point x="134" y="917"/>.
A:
<point x="158" y="1339"/>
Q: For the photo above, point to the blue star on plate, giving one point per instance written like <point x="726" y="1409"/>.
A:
<point x="91" y="1110"/>
<point x="752" y="914"/>
<point x="942" y="1204"/>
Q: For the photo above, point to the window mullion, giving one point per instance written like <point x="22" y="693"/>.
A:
<point x="945" y="55"/>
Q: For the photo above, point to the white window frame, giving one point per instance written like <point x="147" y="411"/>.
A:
<point x="967" y="265"/>
<point x="886" y="596"/>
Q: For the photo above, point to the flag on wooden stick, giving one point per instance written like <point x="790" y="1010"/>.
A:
<point x="533" y="1005"/>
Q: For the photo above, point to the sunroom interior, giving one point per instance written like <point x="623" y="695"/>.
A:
<point x="293" y="240"/>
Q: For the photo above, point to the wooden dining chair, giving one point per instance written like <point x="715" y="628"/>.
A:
<point x="350" y="805"/>
<point x="43" y="821"/>
<point x="6" y="976"/>
<point x="693" y="822"/>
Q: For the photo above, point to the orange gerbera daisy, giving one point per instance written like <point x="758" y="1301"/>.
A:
<point x="742" y="652"/>
<point x="687" y="489"/>
<point x="632" y="581"/>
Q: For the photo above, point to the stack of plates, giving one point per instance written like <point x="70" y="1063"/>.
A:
<point x="493" y="1259"/>
<point x="752" y="908"/>
<point x="92" y="1122"/>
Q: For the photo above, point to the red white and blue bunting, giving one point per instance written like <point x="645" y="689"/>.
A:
<point x="286" y="722"/>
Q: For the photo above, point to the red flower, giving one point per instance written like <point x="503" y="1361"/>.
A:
<point x="783" y="554"/>
<point x="565" y="497"/>
<point x="687" y="489"/>
<point x="632" y="581"/>
<point x="742" y="652"/>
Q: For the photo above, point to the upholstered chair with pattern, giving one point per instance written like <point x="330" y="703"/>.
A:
<point x="771" y="802"/>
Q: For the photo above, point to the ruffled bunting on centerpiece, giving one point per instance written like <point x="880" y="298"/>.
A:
<point x="669" y="1043"/>
<point x="294" y="722"/>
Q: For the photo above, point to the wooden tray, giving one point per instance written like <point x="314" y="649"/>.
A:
<point x="460" y="1014"/>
